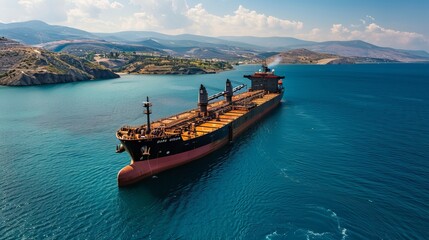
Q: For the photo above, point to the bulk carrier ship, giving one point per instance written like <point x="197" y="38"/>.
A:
<point x="169" y="142"/>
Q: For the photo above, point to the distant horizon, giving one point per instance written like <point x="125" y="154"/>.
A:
<point x="219" y="37"/>
<point x="395" y="24"/>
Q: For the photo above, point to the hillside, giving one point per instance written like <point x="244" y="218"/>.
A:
<point x="82" y="48"/>
<point x="228" y="48"/>
<point x="363" y="49"/>
<point x="177" y="48"/>
<point x="21" y="65"/>
<point x="305" y="56"/>
<point x="150" y="64"/>
<point x="269" y="43"/>
<point x="38" y="32"/>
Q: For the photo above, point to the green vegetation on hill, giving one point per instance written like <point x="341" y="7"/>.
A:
<point x="155" y="64"/>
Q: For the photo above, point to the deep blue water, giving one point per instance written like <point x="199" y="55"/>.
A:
<point x="346" y="156"/>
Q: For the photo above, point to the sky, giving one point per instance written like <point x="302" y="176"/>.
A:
<point x="391" y="23"/>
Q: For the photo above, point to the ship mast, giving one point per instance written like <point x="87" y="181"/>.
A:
<point x="203" y="100"/>
<point x="147" y="105"/>
<point x="228" y="91"/>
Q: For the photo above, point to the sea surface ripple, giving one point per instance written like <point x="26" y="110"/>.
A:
<point x="345" y="156"/>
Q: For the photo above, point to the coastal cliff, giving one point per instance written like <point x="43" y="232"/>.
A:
<point x="22" y="65"/>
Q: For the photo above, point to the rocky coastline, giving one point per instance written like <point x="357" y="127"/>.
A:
<point x="22" y="65"/>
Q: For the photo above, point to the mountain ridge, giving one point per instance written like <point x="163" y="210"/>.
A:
<point x="230" y="47"/>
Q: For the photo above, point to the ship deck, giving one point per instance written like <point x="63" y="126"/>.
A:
<point x="191" y="124"/>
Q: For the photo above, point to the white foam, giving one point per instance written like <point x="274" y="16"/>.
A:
<point x="284" y="173"/>
<point x="344" y="233"/>
<point x="273" y="235"/>
<point x="337" y="219"/>
<point x="315" y="233"/>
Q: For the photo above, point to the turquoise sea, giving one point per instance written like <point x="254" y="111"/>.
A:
<point x="345" y="156"/>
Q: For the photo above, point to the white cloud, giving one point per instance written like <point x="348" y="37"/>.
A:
<point x="159" y="15"/>
<point x="313" y="35"/>
<point x="340" y="32"/>
<point x="88" y="12"/>
<point x="24" y="10"/>
<point x="116" y="5"/>
<point x="90" y="6"/>
<point x="176" y="16"/>
<point x="370" y="17"/>
<point x="139" y="20"/>
<point x="381" y="36"/>
<point x="339" y="29"/>
<point x="243" y="22"/>
<point x="29" y="4"/>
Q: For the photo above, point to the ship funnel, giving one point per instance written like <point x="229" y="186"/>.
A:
<point x="147" y="111"/>
<point x="203" y="100"/>
<point x="228" y="91"/>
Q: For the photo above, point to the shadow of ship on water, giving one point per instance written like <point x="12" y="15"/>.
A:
<point x="178" y="182"/>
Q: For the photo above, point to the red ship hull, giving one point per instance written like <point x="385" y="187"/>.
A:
<point x="185" y="137"/>
<point x="139" y="170"/>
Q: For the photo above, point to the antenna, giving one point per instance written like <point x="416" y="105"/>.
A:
<point x="147" y="105"/>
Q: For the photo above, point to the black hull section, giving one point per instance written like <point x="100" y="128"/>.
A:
<point x="156" y="148"/>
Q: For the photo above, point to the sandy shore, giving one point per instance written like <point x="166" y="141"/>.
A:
<point x="326" y="60"/>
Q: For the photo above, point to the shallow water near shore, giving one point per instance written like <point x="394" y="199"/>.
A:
<point x="345" y="156"/>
